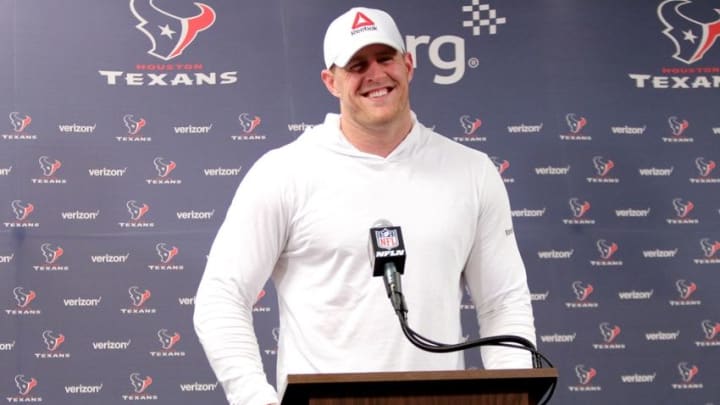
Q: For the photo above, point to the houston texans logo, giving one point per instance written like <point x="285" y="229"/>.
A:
<point x="49" y="167"/>
<point x="710" y="328"/>
<point x="248" y="124"/>
<point x="686" y="289"/>
<point x="602" y="165"/>
<point x="51" y="253"/>
<point x="470" y="126"/>
<point x="682" y="208"/>
<point x="138" y="297"/>
<point x="19" y="121"/>
<point x="136" y="210"/>
<point x="22" y="297"/>
<point x="609" y="333"/>
<point x="21" y="209"/>
<point x="584" y="375"/>
<point x="705" y="167"/>
<point x="578" y="209"/>
<point x="140" y="384"/>
<point x="24" y="385"/>
<point x="687" y="372"/>
<point x="167" y="340"/>
<point x="133" y="126"/>
<point x="709" y="248"/>
<point x="676" y="126"/>
<point x="276" y="333"/>
<point x="169" y="34"/>
<point x="582" y="291"/>
<point x="52" y="340"/>
<point x="607" y="250"/>
<point x="575" y="123"/>
<point x="163" y="167"/>
<point x="501" y="165"/>
<point x="692" y="38"/>
<point x="166" y="252"/>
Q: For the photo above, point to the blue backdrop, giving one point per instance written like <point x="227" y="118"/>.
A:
<point x="130" y="124"/>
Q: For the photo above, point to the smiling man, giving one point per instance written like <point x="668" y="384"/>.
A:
<point x="301" y="216"/>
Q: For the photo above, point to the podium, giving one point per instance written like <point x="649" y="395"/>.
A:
<point x="467" y="387"/>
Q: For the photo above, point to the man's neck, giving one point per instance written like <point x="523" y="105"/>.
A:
<point x="381" y="140"/>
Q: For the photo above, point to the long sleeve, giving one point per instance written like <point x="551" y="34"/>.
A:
<point x="496" y="277"/>
<point x="240" y="262"/>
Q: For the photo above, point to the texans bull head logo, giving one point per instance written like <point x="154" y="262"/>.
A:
<point x="682" y="207"/>
<point x="247" y="123"/>
<point x="687" y="372"/>
<point x="606" y="249"/>
<point x="711" y="329"/>
<point x="49" y="166"/>
<point x="166" y="252"/>
<point x="677" y="126"/>
<point x="51" y="253"/>
<point x="21" y="209"/>
<point x="578" y="209"/>
<point x="167" y="340"/>
<point x="164" y="167"/>
<point x="685" y="288"/>
<point x="692" y="38"/>
<point x="584" y="375"/>
<point x="133" y="126"/>
<point x="52" y="340"/>
<point x="705" y="167"/>
<point x="22" y="297"/>
<point x="575" y="123"/>
<point x="582" y="291"/>
<point x="709" y="248"/>
<point x="609" y="333"/>
<point x="137" y="210"/>
<point x="469" y="125"/>
<point x="169" y="34"/>
<point x="24" y="385"/>
<point x="602" y="165"/>
<point x="137" y="297"/>
<point x="19" y="121"/>
<point x="140" y="384"/>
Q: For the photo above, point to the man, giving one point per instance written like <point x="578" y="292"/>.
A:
<point x="301" y="217"/>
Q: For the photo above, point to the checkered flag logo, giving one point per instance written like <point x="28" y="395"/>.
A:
<point x="482" y="16"/>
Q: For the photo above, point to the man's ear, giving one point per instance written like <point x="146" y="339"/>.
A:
<point x="409" y="64"/>
<point x="328" y="77"/>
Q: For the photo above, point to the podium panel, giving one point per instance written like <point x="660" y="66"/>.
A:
<point x="471" y="387"/>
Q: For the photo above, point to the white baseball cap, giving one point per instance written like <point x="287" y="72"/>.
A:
<point x="357" y="28"/>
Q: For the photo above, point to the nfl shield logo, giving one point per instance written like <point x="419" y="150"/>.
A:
<point x="387" y="238"/>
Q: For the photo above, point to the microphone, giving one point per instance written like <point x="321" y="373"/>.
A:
<point x="387" y="258"/>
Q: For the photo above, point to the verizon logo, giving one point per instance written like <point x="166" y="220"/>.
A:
<point x="193" y="129"/>
<point x="654" y="171"/>
<point x="301" y="127"/>
<point x="7" y="258"/>
<point x="552" y="171"/>
<point x="82" y="302"/>
<point x="198" y="387"/>
<point x="659" y="254"/>
<point x="626" y="130"/>
<point x="635" y="295"/>
<point x="632" y="213"/>
<point x="221" y="171"/>
<point x="637" y="378"/>
<point x="80" y="215"/>
<point x="524" y="129"/>
<point x="108" y="258"/>
<point x="186" y="301"/>
<point x="83" y="389"/>
<point x="556" y="254"/>
<point x="655" y="336"/>
<point x="111" y="345"/>
<point x="105" y="172"/>
<point x="557" y="338"/>
<point x="76" y="128"/>
<point x="5" y="171"/>
<point x="195" y="214"/>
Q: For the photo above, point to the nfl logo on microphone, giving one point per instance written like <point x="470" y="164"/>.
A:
<point x="387" y="238"/>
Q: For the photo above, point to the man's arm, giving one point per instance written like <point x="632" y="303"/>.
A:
<point x="241" y="260"/>
<point x="496" y="277"/>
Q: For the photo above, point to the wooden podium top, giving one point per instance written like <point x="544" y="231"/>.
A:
<point x="517" y="386"/>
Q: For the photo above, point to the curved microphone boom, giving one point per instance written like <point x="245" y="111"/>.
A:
<point x="387" y="258"/>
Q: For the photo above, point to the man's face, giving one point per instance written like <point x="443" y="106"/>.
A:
<point x="373" y="87"/>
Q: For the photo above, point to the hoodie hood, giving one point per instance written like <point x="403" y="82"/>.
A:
<point x="328" y="136"/>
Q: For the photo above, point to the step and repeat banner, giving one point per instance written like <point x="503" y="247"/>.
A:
<point x="130" y="123"/>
